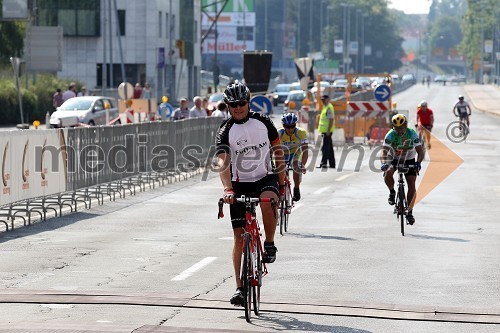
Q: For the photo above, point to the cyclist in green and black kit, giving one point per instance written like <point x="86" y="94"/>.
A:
<point x="401" y="145"/>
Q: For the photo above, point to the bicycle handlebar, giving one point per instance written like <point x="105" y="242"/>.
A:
<point x="246" y="201"/>
<point x="404" y="168"/>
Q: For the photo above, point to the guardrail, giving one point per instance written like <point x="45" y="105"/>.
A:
<point x="44" y="170"/>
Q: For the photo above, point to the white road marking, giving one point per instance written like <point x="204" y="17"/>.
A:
<point x="321" y="190"/>
<point x="193" y="269"/>
<point x="345" y="176"/>
<point x="226" y="238"/>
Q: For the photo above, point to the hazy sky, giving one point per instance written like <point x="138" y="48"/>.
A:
<point x="411" y="6"/>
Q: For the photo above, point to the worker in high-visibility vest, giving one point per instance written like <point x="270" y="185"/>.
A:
<point x="326" y="128"/>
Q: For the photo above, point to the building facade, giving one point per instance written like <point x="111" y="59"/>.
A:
<point x="158" y="41"/>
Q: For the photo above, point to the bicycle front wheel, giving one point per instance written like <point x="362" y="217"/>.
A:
<point x="282" y="217"/>
<point x="288" y="204"/>
<point x="401" y="209"/>
<point x="247" y="277"/>
<point x="258" y="281"/>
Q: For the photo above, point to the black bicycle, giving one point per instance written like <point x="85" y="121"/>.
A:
<point x="401" y="206"/>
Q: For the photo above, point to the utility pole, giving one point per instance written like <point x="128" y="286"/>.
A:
<point x="481" y="47"/>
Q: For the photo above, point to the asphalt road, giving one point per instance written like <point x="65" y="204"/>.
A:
<point x="343" y="267"/>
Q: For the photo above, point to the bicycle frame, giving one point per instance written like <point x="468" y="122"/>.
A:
<point x="401" y="206"/>
<point x="286" y="203"/>
<point x="253" y="268"/>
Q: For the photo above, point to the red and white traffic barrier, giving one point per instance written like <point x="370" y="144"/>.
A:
<point x="367" y="108"/>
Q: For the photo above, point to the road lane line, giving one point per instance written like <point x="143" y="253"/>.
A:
<point x="345" y="176"/>
<point x="321" y="190"/>
<point x="193" y="269"/>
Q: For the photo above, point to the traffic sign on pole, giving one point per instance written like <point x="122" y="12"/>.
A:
<point x="261" y="104"/>
<point x="382" y="92"/>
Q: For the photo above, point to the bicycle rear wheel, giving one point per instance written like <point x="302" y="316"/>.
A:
<point x="247" y="277"/>
<point x="401" y="209"/>
<point x="258" y="284"/>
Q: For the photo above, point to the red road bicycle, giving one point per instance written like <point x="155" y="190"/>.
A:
<point x="253" y="269"/>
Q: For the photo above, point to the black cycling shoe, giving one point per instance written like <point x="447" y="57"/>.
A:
<point x="238" y="298"/>
<point x="392" y="198"/>
<point x="410" y="218"/>
<point x="269" y="253"/>
<point x="296" y="194"/>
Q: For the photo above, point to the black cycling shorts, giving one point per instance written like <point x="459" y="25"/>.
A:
<point x="411" y="171"/>
<point x="254" y="190"/>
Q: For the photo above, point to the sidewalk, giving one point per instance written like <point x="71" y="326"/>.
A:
<point x="484" y="97"/>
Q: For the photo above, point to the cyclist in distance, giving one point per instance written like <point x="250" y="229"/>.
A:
<point x="294" y="140"/>
<point x="244" y="144"/>
<point x="401" y="144"/>
<point x="425" y="119"/>
<point x="463" y="110"/>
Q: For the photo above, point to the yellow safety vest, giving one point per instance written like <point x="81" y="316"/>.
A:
<point x="324" y="121"/>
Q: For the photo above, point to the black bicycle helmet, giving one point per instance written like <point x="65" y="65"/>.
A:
<point x="235" y="92"/>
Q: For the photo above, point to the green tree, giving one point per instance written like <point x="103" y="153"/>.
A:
<point x="11" y="39"/>
<point x="481" y="17"/>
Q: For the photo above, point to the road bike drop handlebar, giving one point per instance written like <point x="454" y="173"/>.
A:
<point x="248" y="201"/>
<point x="403" y="168"/>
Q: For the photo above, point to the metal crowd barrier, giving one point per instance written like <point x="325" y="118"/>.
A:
<point x="48" y="170"/>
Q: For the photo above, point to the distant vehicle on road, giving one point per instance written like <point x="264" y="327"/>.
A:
<point x="409" y="78"/>
<point x="90" y="110"/>
<point x="214" y="99"/>
<point x="297" y="96"/>
<point x="280" y="93"/>
<point x="440" y="78"/>
<point x="458" y="79"/>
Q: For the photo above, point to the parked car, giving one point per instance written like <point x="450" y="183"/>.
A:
<point x="280" y="93"/>
<point x="297" y="96"/>
<point x="90" y="110"/>
<point x="458" y="79"/>
<point x="325" y="88"/>
<point x="409" y="77"/>
<point x="214" y="99"/>
<point x="440" y="78"/>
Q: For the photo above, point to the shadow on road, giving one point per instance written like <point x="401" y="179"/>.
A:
<point x="278" y="322"/>
<point x="293" y="234"/>
<point x="43" y="226"/>
<point x="450" y="239"/>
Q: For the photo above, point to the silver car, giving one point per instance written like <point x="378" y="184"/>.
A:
<point x="89" y="110"/>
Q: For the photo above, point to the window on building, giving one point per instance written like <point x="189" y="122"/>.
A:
<point x="167" y="27"/>
<point x="195" y="31"/>
<point x="78" y="18"/>
<point x="173" y="25"/>
<point x="160" y="29"/>
<point x="244" y="33"/>
<point x="121" y="21"/>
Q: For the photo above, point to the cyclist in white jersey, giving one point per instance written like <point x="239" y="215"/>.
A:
<point x="462" y="110"/>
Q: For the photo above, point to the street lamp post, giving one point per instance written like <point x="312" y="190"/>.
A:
<point x="15" y="61"/>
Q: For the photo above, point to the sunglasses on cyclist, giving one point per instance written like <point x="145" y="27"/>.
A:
<point x="238" y="103"/>
<point x="289" y="126"/>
